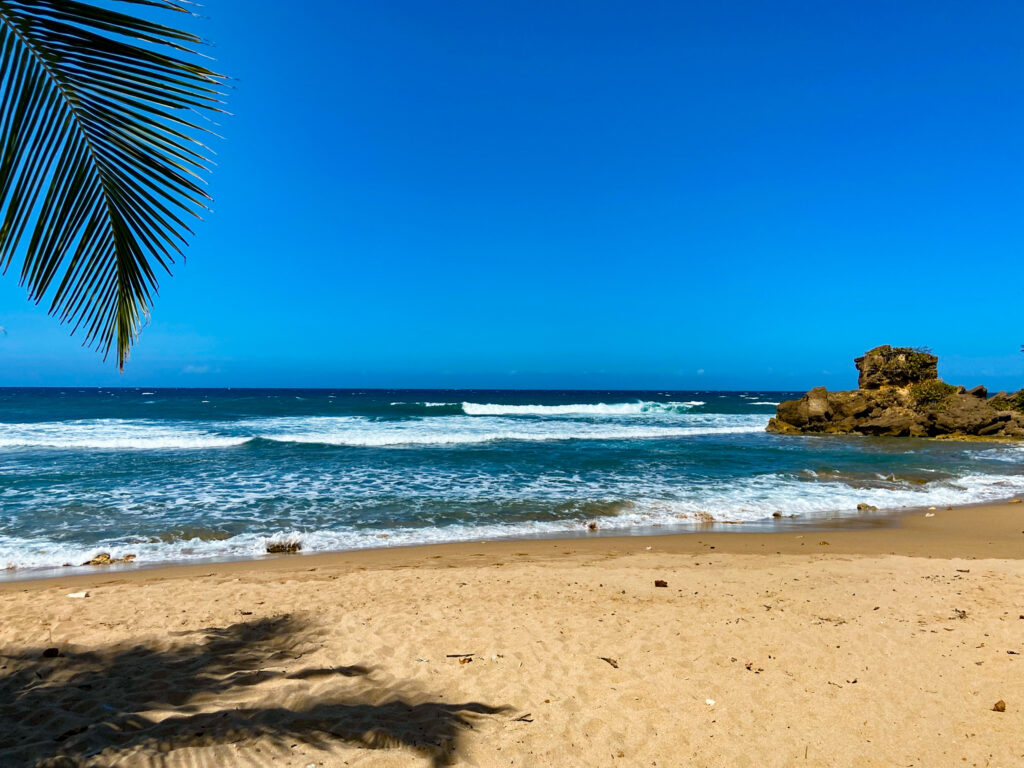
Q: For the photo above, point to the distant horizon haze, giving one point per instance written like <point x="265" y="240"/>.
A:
<point x="966" y="371"/>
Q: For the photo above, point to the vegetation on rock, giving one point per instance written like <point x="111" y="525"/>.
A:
<point x="896" y="367"/>
<point x="933" y="393"/>
<point x="1012" y="402"/>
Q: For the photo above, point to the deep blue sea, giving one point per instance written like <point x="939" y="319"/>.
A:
<point x="180" y="474"/>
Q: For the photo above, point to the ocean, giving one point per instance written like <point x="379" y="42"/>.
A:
<point x="172" y="475"/>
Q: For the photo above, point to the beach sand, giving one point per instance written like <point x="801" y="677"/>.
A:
<point x="886" y="644"/>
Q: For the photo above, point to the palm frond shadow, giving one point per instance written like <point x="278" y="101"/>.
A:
<point x="63" y="711"/>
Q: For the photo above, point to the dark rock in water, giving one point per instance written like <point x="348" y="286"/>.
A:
<point x="283" y="548"/>
<point x="900" y="395"/>
<point x="862" y="507"/>
<point x="104" y="558"/>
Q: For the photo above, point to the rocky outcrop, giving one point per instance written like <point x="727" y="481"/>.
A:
<point x="901" y="395"/>
<point x="895" y="367"/>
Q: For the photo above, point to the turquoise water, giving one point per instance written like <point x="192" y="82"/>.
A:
<point x="172" y="475"/>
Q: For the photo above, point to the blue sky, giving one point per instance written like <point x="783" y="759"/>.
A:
<point x="591" y="194"/>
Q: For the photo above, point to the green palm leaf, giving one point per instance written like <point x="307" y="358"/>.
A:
<point x="99" y="161"/>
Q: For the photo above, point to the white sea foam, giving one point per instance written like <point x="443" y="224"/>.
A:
<point x="764" y="402"/>
<point x="428" y="405"/>
<point x="120" y="434"/>
<point x="440" y="430"/>
<point x="739" y="501"/>
<point x="578" y="409"/>
<point x="1008" y="452"/>
<point x="356" y="500"/>
<point x="141" y="434"/>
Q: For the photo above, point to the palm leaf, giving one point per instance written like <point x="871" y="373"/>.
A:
<point x="100" y="166"/>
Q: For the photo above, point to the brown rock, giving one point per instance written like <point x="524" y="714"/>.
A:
<point x="283" y="548"/>
<point x="104" y="558"/>
<point x="1008" y="401"/>
<point x="792" y="413"/>
<point x="851" y="405"/>
<point x="887" y="366"/>
<point x="900" y="395"/>
<point x="897" y="421"/>
<point x="780" y="427"/>
<point x="901" y="367"/>
<point x="817" y="405"/>
<point x="811" y="409"/>
<point x="964" y="414"/>
<point x="999" y="706"/>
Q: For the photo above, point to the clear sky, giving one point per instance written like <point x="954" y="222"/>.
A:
<point x="591" y="194"/>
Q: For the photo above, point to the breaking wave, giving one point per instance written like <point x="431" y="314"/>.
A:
<point x="750" y="500"/>
<point x="112" y="434"/>
<point x="128" y="435"/>
<point x="579" y="409"/>
<point x="354" y="431"/>
<point x="221" y="474"/>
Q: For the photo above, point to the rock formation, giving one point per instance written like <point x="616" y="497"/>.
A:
<point x="900" y="395"/>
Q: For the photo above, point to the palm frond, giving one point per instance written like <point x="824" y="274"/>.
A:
<point x="100" y="165"/>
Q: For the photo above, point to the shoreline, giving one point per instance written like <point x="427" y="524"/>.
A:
<point x="973" y="531"/>
<point x="710" y="648"/>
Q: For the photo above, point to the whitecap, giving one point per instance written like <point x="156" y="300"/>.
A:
<point x="749" y="500"/>
<point x="577" y="409"/>
<point x="118" y="434"/>
<point x="441" y="430"/>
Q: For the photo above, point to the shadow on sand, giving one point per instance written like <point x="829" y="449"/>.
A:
<point x="68" y="707"/>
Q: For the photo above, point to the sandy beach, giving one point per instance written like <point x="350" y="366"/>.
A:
<point x="511" y="385"/>
<point x="882" y="644"/>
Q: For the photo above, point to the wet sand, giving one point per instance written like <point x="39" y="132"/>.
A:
<point x="883" y="643"/>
